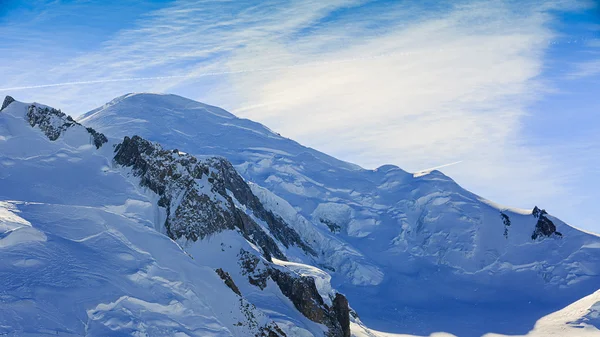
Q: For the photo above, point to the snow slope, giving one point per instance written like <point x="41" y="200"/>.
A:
<point x="413" y="254"/>
<point x="83" y="250"/>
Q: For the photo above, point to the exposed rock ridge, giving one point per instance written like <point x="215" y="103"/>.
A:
<point x="6" y="103"/>
<point x="194" y="193"/>
<point x="544" y="226"/>
<point x="302" y="292"/>
<point x="228" y="281"/>
<point x="54" y="123"/>
<point x="270" y="329"/>
<point x="341" y="308"/>
<point x="243" y="193"/>
<point x="506" y="222"/>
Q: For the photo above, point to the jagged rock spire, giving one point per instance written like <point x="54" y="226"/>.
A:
<point x="7" y="101"/>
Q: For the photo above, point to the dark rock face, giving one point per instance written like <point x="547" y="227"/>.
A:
<point x="544" y="226"/>
<point x="98" y="138"/>
<point x="190" y="212"/>
<point x="303" y="293"/>
<point x="252" y="267"/>
<point x="538" y="212"/>
<point x="242" y="192"/>
<point x="7" y="101"/>
<point x="228" y="281"/>
<point x="254" y="231"/>
<point x="195" y="193"/>
<point x="506" y="222"/>
<point x="272" y="330"/>
<point x="342" y="313"/>
<point x="54" y="123"/>
<point x="266" y="330"/>
<point x="51" y="121"/>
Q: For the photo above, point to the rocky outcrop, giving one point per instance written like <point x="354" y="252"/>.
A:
<point x="195" y="194"/>
<point x="271" y="330"/>
<point x="98" y="138"/>
<point x="228" y="281"/>
<point x="252" y="267"/>
<point x="544" y="226"/>
<point x="191" y="213"/>
<point x="302" y="292"/>
<point x="6" y="103"/>
<point x="243" y="193"/>
<point x="248" y="309"/>
<point x="53" y="123"/>
<point x="252" y="230"/>
<point x="506" y="222"/>
<point x="537" y="212"/>
<point x="342" y="313"/>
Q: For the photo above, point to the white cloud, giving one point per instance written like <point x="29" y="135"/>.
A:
<point x="452" y="88"/>
<point x="585" y="69"/>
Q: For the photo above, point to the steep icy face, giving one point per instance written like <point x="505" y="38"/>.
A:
<point x="384" y="232"/>
<point x="81" y="239"/>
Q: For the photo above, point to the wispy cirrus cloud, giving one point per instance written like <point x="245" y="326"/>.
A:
<point x="585" y="69"/>
<point x="373" y="82"/>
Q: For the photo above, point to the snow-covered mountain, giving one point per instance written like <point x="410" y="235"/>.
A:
<point x="125" y="222"/>
<point x="103" y="237"/>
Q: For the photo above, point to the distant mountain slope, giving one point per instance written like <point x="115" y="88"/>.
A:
<point x="413" y="254"/>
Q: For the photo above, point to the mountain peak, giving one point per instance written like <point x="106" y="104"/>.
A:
<point x="198" y="128"/>
<point x="154" y="102"/>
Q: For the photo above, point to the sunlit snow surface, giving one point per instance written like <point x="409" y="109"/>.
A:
<point x="80" y="253"/>
<point x="413" y="254"/>
<point x="82" y="249"/>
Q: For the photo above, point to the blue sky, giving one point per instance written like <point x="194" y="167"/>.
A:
<point x="510" y="88"/>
